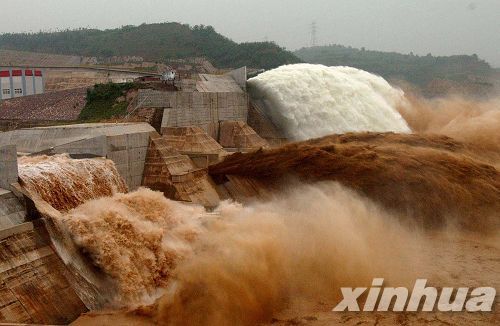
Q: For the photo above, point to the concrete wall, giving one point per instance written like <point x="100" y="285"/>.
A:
<point x="240" y="76"/>
<point x="12" y="211"/>
<point x="217" y="84"/>
<point x="129" y="154"/>
<point x="262" y="124"/>
<point x="128" y="151"/>
<point x="39" y="85"/>
<point x="8" y="166"/>
<point x="30" y="84"/>
<point x="35" y="285"/>
<point x="205" y="110"/>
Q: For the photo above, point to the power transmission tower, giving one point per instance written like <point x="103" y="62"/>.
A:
<point x="314" y="34"/>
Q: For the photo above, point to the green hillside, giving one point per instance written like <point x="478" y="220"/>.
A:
<point x="419" y="70"/>
<point x="153" y="42"/>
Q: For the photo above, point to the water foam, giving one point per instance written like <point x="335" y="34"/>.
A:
<point x="66" y="183"/>
<point x="308" y="101"/>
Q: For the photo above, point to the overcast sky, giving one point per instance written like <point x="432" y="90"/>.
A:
<point x="441" y="27"/>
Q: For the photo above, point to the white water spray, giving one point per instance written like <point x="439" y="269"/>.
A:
<point x="307" y="101"/>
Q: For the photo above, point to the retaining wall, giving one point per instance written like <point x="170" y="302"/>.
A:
<point x="205" y="110"/>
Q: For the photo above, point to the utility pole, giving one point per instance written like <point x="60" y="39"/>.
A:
<point x="314" y="34"/>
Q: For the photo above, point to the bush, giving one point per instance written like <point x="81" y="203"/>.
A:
<point x="101" y="101"/>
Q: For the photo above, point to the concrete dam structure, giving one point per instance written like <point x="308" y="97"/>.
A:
<point x="205" y="217"/>
<point x="44" y="171"/>
<point x="44" y="277"/>
<point x="47" y="172"/>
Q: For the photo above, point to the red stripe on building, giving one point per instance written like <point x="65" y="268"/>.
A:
<point x="38" y="73"/>
<point x="28" y="72"/>
<point x="4" y="73"/>
<point x="17" y="73"/>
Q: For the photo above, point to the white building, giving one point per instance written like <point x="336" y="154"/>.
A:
<point x="17" y="82"/>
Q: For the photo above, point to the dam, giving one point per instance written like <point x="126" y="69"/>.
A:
<point x="48" y="171"/>
<point x="168" y="216"/>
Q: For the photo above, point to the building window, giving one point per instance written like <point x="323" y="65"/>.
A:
<point x="6" y="91"/>
<point x="18" y="91"/>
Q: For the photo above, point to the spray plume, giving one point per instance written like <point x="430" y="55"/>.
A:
<point x="429" y="180"/>
<point x="474" y="122"/>
<point x="308" y="101"/>
<point x="136" y="239"/>
<point x="255" y="260"/>
<point x="241" y="264"/>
